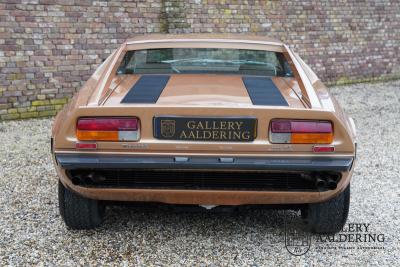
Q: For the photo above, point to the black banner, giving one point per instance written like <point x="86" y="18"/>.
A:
<point x="237" y="129"/>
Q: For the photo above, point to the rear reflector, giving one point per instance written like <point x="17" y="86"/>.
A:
<point x="323" y="149"/>
<point x="301" y="132"/>
<point x="108" y="129"/>
<point x="86" y="145"/>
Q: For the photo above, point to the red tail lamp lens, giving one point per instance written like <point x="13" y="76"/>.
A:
<point x="301" y="132"/>
<point x="286" y="126"/>
<point x="108" y="129"/>
<point x="107" y="124"/>
<point x="281" y="126"/>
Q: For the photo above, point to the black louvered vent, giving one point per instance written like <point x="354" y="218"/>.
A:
<point x="278" y="181"/>
<point x="262" y="91"/>
<point x="146" y="90"/>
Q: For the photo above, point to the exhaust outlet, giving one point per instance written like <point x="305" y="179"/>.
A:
<point x="332" y="185"/>
<point x="335" y="177"/>
<point x="93" y="178"/>
<point x="89" y="178"/>
<point x="326" y="181"/>
<point x="76" y="180"/>
<point x="320" y="183"/>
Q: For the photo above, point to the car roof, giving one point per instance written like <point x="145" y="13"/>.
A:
<point x="251" y="38"/>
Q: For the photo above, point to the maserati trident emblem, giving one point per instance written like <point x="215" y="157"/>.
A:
<point x="167" y="128"/>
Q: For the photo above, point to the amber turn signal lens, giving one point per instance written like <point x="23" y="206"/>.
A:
<point x="311" y="138"/>
<point x="97" y="135"/>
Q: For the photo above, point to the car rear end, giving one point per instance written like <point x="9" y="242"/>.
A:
<point x="195" y="122"/>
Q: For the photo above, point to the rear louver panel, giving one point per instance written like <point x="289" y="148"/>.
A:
<point x="192" y="180"/>
<point x="262" y="91"/>
<point x="146" y="90"/>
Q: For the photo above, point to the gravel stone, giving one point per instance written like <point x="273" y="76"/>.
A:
<point x="32" y="232"/>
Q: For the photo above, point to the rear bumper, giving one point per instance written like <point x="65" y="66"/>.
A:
<point x="95" y="161"/>
<point x="65" y="162"/>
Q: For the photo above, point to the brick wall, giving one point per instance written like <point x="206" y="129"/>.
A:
<point x="48" y="48"/>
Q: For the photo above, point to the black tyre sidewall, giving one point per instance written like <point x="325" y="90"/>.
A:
<point x="79" y="212"/>
<point x="330" y="216"/>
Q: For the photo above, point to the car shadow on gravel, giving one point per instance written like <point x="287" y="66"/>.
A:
<point x="193" y="219"/>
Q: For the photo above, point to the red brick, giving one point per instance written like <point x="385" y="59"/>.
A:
<point x="64" y="40"/>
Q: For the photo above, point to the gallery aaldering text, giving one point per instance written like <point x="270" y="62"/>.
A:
<point x="353" y="232"/>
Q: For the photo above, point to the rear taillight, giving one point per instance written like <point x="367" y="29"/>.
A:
<point x="301" y="132"/>
<point x="108" y="129"/>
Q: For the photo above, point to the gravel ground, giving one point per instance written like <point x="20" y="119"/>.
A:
<point x="32" y="232"/>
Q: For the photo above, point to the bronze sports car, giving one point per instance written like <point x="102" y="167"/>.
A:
<point x="204" y="120"/>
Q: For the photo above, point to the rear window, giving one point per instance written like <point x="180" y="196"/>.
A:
<point x="204" y="60"/>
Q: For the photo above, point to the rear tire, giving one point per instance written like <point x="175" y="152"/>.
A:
<point x="79" y="213"/>
<point x="330" y="216"/>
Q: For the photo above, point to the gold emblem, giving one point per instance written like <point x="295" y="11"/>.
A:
<point x="167" y="128"/>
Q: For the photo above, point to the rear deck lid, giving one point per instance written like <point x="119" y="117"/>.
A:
<point x="204" y="89"/>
